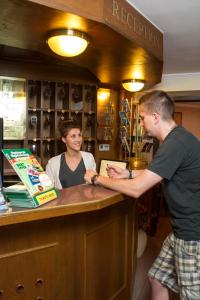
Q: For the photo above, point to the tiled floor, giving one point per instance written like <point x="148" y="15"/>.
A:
<point x="142" y="290"/>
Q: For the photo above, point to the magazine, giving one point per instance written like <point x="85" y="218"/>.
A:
<point x="40" y="188"/>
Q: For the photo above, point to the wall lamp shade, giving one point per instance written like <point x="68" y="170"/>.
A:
<point x="133" y="85"/>
<point x="67" y="42"/>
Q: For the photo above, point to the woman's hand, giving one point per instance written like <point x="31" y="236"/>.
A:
<point x="117" y="172"/>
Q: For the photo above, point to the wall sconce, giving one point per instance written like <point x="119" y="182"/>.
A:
<point x="133" y="85"/>
<point x="103" y="94"/>
<point x="67" y="42"/>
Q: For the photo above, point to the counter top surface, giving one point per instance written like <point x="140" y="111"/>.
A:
<point x="73" y="200"/>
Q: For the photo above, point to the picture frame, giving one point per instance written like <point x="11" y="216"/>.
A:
<point x="105" y="162"/>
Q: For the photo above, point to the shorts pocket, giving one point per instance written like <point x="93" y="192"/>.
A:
<point x="188" y="260"/>
<point x="189" y="279"/>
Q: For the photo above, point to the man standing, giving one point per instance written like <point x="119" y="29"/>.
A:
<point x="177" y="165"/>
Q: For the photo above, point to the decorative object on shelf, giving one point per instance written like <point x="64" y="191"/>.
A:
<point x="67" y="42"/>
<point x="47" y="91"/>
<point x="107" y="134"/>
<point x="105" y="115"/>
<point x="33" y="121"/>
<point x="47" y="151"/>
<point x="33" y="91"/>
<point x="47" y="121"/>
<point x="125" y="143"/>
<point x="33" y="148"/>
<point x="135" y="130"/>
<point x="90" y="94"/>
<point x="133" y="85"/>
<point x="137" y="161"/>
<point x="62" y="117"/>
<point x="125" y="114"/>
<point x="62" y="93"/>
<point x="76" y="94"/>
<point x="89" y="147"/>
<point x="125" y="128"/>
<point x="90" y="121"/>
<point x="77" y="97"/>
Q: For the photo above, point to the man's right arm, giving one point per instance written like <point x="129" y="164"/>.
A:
<point x="117" y="172"/>
<point x="131" y="187"/>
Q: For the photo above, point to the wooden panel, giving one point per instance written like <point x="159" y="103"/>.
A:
<point x="83" y="256"/>
<point x="27" y="270"/>
<point x="86" y="8"/>
<point x="111" y="56"/>
<point x="124" y="18"/>
<point x="106" y="259"/>
<point x="109" y="256"/>
<point x="120" y="15"/>
<point x="29" y="261"/>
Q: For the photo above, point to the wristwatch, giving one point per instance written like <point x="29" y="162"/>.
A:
<point x="130" y="174"/>
<point x="94" y="179"/>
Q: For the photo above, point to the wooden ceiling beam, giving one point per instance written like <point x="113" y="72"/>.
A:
<point x="123" y="43"/>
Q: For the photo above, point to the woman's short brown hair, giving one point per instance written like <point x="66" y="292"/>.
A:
<point x="66" y="126"/>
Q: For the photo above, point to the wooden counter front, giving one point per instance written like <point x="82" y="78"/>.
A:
<point x="79" y="246"/>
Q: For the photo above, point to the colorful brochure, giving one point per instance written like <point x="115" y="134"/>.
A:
<point x="39" y="187"/>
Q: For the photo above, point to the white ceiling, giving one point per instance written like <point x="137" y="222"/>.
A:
<point x="179" y="20"/>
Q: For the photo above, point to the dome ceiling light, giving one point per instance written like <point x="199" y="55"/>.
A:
<point x="67" y="42"/>
<point x="133" y="85"/>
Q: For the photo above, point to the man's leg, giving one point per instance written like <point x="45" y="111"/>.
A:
<point x="159" y="291"/>
<point x="162" y="273"/>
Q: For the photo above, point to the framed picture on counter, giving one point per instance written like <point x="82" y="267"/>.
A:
<point x="105" y="162"/>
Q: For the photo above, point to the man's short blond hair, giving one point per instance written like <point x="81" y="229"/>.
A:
<point x="159" y="102"/>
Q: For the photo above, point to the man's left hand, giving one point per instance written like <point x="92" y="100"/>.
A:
<point x="88" y="175"/>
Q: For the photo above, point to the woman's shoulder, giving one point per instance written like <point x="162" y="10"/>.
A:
<point x="55" y="159"/>
<point x="86" y="154"/>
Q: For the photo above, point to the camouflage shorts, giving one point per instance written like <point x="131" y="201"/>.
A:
<point x="178" y="267"/>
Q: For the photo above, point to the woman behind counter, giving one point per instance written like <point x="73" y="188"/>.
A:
<point x="68" y="168"/>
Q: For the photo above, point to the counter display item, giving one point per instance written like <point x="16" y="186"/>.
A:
<point x="38" y="188"/>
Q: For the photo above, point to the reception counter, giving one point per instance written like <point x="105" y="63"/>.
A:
<point x="80" y="246"/>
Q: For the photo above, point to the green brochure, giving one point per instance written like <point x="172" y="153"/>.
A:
<point x="40" y="188"/>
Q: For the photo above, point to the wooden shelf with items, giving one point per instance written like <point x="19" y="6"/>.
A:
<point x="61" y="101"/>
<point x="105" y="116"/>
<point x="136" y="146"/>
<point x="126" y="128"/>
<point x="46" y="104"/>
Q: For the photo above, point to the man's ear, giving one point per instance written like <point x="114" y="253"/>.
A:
<point x="156" y="117"/>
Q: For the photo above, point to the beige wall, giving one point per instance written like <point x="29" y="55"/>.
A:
<point x="190" y="117"/>
<point x="179" y="82"/>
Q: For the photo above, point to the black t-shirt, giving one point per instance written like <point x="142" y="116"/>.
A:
<point x="178" y="162"/>
<point x="68" y="177"/>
